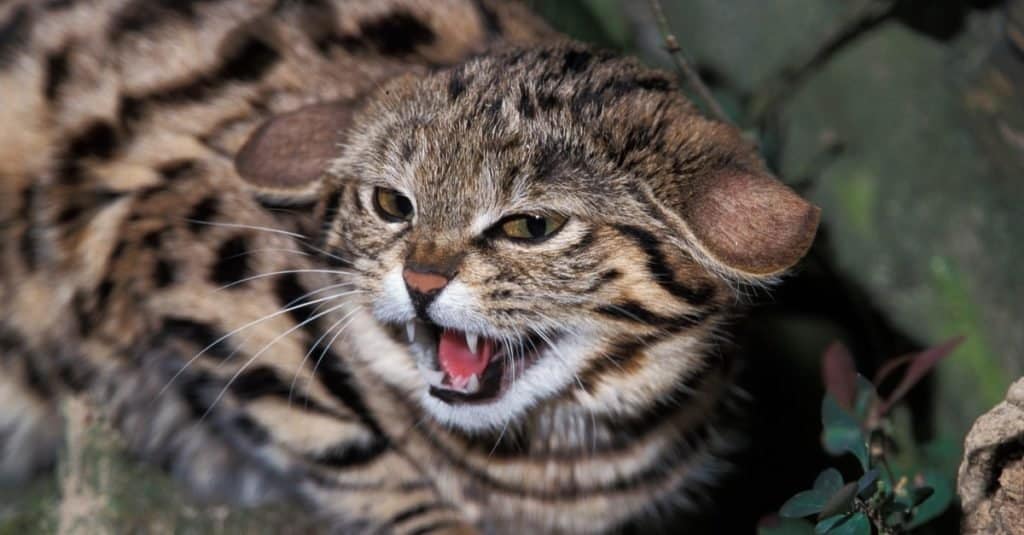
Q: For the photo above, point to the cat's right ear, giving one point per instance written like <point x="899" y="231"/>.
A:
<point x="285" y="158"/>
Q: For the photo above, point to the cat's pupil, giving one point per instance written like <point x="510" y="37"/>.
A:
<point x="403" y="204"/>
<point x="536" y="226"/>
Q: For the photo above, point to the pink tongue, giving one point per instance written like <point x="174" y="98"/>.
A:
<point x="457" y="360"/>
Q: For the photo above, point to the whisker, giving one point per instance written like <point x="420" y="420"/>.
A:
<point x="240" y="329"/>
<point x="312" y="348"/>
<point x="257" y="355"/>
<point x="250" y="227"/>
<point x="282" y="272"/>
<point x="328" y="346"/>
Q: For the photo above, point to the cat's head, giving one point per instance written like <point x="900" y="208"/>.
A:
<point x="550" y="224"/>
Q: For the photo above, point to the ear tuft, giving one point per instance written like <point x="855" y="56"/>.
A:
<point x="750" y="222"/>
<point x="287" y="155"/>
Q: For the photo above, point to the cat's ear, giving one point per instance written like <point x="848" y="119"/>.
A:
<point x="749" y="222"/>
<point x="285" y="158"/>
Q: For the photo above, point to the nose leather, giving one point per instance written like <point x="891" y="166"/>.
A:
<point x="425" y="283"/>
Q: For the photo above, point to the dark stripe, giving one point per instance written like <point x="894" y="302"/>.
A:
<point x="490" y="19"/>
<point x="263" y="381"/>
<point x="457" y="83"/>
<point x="232" y="265"/>
<point x="637" y="313"/>
<point x="56" y="73"/>
<point x="177" y="169"/>
<point x="251" y="429"/>
<point x="415" y="511"/>
<point x="248" y="63"/>
<point x="658" y="267"/>
<point x="606" y="277"/>
<point x="352" y="454"/>
<point x="436" y="526"/>
<point x="198" y="333"/>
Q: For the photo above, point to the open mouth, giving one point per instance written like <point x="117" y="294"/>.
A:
<point x="463" y="367"/>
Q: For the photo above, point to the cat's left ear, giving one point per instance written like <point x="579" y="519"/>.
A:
<point x="748" y="223"/>
<point x="285" y="158"/>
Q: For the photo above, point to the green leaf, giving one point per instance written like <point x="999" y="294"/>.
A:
<point x="829" y="523"/>
<point x="803" y="504"/>
<point x="829" y="481"/>
<point x="858" y="524"/>
<point x="935" y="504"/>
<point x="842" y="432"/>
<point x="784" y="526"/>
<point x="810" y="502"/>
<point x="840" y="502"/>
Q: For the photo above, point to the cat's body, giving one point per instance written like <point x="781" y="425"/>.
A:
<point x="137" y="139"/>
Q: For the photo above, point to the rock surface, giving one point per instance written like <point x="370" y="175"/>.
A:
<point x="991" y="480"/>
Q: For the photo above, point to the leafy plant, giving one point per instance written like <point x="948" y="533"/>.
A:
<point x="899" y="486"/>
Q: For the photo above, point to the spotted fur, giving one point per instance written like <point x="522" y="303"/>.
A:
<point x="188" y="237"/>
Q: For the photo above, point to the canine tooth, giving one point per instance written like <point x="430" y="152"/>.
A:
<point x="472" y="340"/>
<point x="410" y="331"/>
<point x="474" y="385"/>
<point x="459" y="382"/>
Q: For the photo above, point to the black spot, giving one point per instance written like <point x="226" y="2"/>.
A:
<point x="456" y="84"/>
<point x="99" y="140"/>
<point x="14" y="34"/>
<point x="177" y="169"/>
<point x="547" y="100"/>
<point x="154" y="239"/>
<point x="576" y="60"/>
<point x="396" y="34"/>
<point x="163" y="273"/>
<point x="232" y="263"/>
<point x="250" y="62"/>
<point x="70" y="213"/>
<point x="202" y="214"/>
<point x="352" y="454"/>
<point x="35" y="380"/>
<point x="103" y="293"/>
<point x="56" y="73"/>
<point x="198" y="333"/>
<point x="654" y="83"/>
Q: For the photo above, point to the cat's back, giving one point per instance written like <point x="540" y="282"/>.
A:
<point x="113" y="98"/>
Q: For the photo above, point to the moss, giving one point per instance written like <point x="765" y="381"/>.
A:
<point x="858" y="194"/>
<point x="975" y="367"/>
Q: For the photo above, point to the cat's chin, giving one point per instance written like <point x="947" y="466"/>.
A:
<point x="491" y="382"/>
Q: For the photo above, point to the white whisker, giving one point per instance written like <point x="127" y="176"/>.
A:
<point x="256" y="356"/>
<point x="242" y="328"/>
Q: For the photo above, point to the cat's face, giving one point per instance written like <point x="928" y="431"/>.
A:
<point x="519" y="234"/>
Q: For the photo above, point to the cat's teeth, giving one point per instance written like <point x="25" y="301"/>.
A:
<point x="474" y="385"/>
<point x="472" y="340"/>
<point x="410" y="331"/>
<point x="460" y="382"/>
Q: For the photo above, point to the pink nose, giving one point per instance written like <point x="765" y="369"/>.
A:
<point x="424" y="282"/>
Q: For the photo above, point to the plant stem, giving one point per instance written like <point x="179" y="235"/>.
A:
<point x="686" y="71"/>
<point x="864" y="16"/>
<point x="876" y="518"/>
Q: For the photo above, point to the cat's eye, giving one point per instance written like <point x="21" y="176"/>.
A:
<point x="391" y="205"/>
<point x="531" y="227"/>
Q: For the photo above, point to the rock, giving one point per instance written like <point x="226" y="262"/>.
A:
<point x="991" y="479"/>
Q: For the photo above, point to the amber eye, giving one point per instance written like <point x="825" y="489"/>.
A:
<point x="531" y="227"/>
<point x="391" y="205"/>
